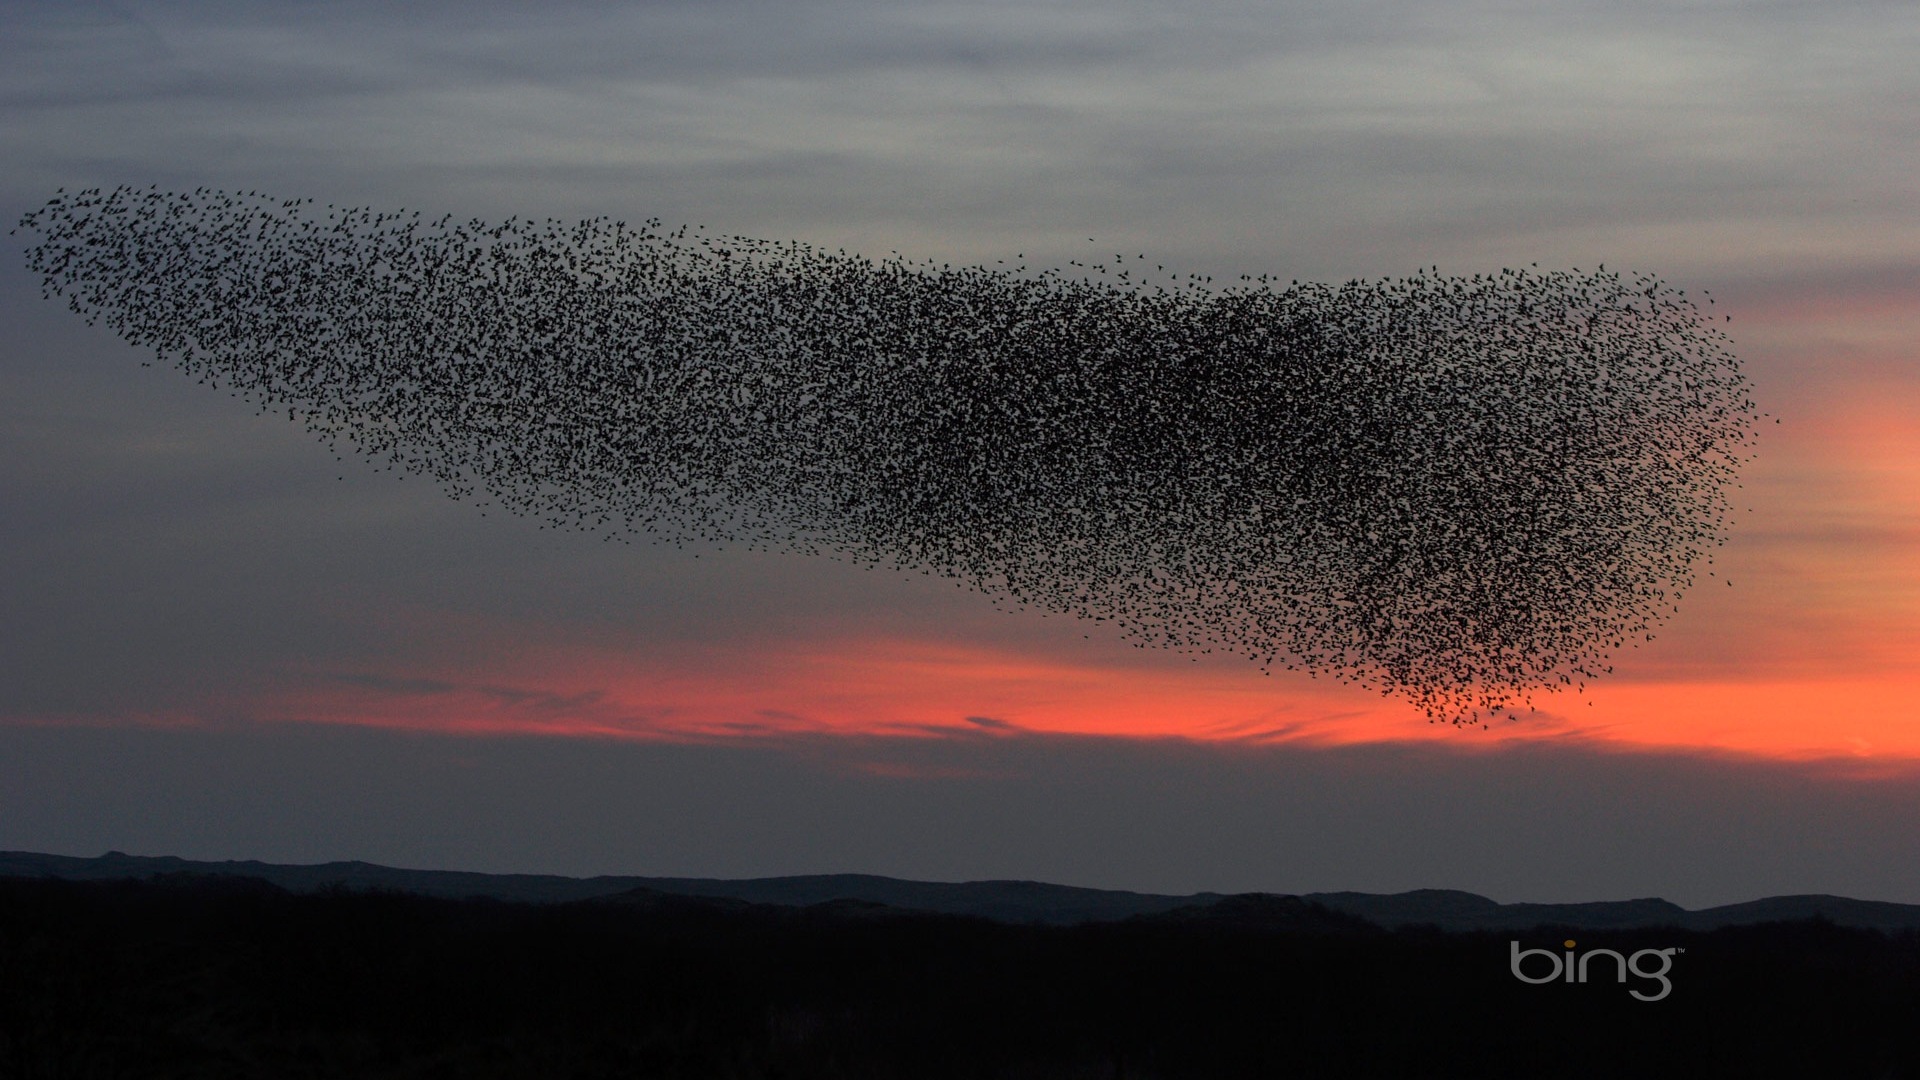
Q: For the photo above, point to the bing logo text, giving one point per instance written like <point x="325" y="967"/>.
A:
<point x="1569" y="967"/>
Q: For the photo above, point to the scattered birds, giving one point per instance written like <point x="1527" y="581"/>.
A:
<point x="1460" y="490"/>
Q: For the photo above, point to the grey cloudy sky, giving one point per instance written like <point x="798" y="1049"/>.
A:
<point x="172" y="559"/>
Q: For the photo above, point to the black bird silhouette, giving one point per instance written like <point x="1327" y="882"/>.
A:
<point x="1460" y="490"/>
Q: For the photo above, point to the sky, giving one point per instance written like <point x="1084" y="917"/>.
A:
<point x="219" y="641"/>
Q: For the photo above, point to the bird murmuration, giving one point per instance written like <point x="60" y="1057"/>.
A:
<point x="1460" y="490"/>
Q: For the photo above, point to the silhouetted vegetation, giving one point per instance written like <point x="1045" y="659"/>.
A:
<point x="229" y="977"/>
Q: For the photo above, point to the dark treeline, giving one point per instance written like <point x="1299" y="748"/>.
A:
<point x="203" y="977"/>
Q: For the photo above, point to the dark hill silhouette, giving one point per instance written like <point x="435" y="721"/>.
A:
<point x="185" y="974"/>
<point x="1262" y="912"/>
<point x="1454" y="910"/>
<point x="1000" y="901"/>
<point x="1839" y="910"/>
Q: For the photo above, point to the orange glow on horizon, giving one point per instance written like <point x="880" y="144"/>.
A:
<point x="915" y="690"/>
<point x="1814" y="654"/>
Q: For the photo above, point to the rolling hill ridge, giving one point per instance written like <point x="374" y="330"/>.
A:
<point x="999" y="901"/>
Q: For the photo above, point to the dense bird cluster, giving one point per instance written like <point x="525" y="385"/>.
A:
<point x="1459" y="489"/>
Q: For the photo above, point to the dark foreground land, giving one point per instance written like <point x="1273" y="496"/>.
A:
<point x="230" y="977"/>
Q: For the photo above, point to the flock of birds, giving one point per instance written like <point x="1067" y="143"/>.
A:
<point x="1462" y="490"/>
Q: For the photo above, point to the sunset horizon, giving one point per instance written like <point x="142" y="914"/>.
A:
<point x="228" y="639"/>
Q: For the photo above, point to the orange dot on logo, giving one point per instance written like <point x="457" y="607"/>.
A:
<point x="1569" y="943"/>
